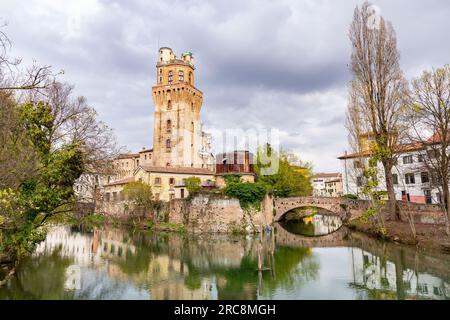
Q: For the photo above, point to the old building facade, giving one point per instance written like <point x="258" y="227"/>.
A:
<point x="327" y="185"/>
<point x="413" y="181"/>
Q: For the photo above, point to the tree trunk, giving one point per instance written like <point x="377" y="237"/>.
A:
<point x="392" y="202"/>
<point x="446" y="196"/>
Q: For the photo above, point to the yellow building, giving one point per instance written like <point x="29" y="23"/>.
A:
<point x="169" y="183"/>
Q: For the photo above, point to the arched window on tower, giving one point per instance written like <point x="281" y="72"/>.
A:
<point x="168" y="126"/>
<point x="168" y="144"/>
<point x="180" y="75"/>
<point x="169" y="105"/>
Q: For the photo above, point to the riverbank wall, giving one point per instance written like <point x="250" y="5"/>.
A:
<point x="218" y="213"/>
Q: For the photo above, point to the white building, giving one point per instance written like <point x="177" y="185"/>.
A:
<point x="412" y="180"/>
<point x="327" y="185"/>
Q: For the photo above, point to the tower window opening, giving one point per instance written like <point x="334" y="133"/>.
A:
<point x="192" y="107"/>
<point x="181" y="75"/>
<point x="168" y="126"/>
<point x="170" y="76"/>
<point x="160" y="70"/>
<point x="160" y="81"/>
<point x="169" y="105"/>
<point x="168" y="144"/>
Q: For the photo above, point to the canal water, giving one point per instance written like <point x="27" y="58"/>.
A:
<point x="111" y="263"/>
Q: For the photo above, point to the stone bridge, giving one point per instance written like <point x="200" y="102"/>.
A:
<point x="347" y="209"/>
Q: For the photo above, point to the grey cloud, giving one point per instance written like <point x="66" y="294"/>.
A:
<point x="274" y="64"/>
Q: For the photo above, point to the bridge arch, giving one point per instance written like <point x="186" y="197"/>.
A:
<point x="342" y="207"/>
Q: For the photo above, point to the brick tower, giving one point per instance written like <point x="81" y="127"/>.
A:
<point x="177" y="136"/>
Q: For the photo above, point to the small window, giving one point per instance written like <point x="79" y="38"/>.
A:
<point x="395" y="178"/>
<point x="182" y="193"/>
<point x="172" y="181"/>
<point x="428" y="197"/>
<point x="425" y="177"/>
<point x="169" y="126"/>
<point x="357" y="164"/>
<point x="160" y="70"/>
<point x="180" y="75"/>
<point x="420" y="158"/>
<point x="359" y="181"/>
<point x="169" y="105"/>
<point x="157" y="181"/>
<point x="168" y="164"/>
<point x="168" y="144"/>
<point x="409" y="178"/>
<point x="114" y="196"/>
<point x="192" y="107"/>
<point x="160" y="79"/>
<point x="407" y="159"/>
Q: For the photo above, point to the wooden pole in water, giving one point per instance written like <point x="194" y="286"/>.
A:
<point x="259" y="257"/>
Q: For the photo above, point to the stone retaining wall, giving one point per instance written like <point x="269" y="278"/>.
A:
<point x="216" y="213"/>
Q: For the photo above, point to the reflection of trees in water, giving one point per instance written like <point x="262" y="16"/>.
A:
<point x="39" y="278"/>
<point x="187" y="266"/>
<point x="384" y="270"/>
<point x="293" y="268"/>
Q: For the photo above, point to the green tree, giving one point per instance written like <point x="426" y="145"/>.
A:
<point x="292" y="178"/>
<point x="49" y="190"/>
<point x="139" y="197"/>
<point x="193" y="186"/>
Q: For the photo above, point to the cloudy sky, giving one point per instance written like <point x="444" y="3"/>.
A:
<point x="260" y="63"/>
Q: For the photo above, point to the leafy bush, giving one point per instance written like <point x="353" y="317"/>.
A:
<point x="249" y="194"/>
<point x="350" y="196"/>
<point x="232" y="178"/>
